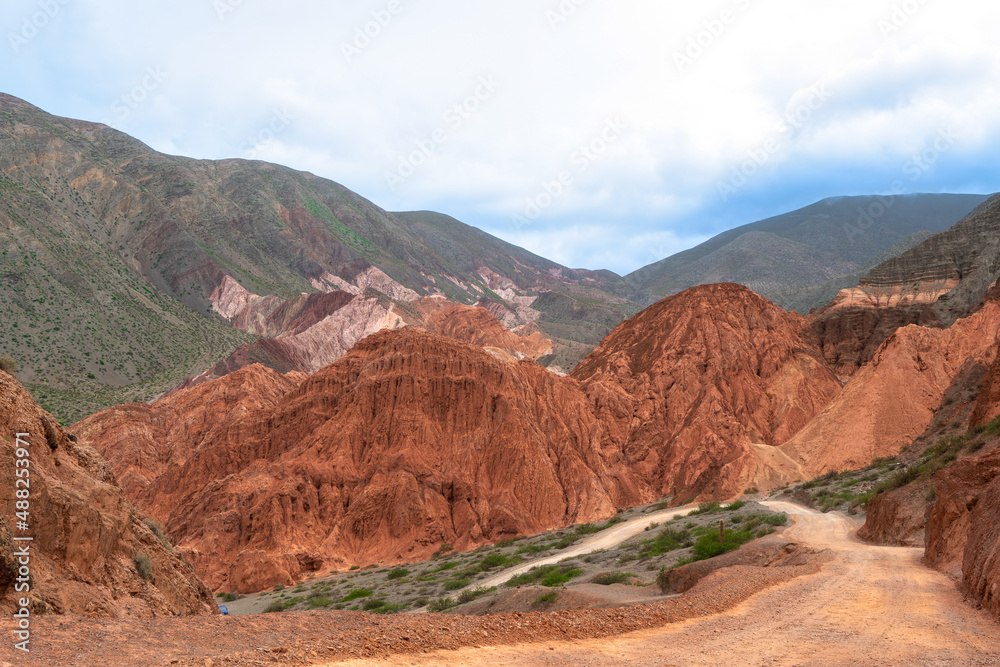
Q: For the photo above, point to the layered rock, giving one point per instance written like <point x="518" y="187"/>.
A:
<point x="895" y="397"/>
<point x="86" y="534"/>
<point x="410" y="441"/>
<point x="963" y="536"/>
<point x="701" y="387"/>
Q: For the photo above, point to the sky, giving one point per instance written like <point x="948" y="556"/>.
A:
<point x="596" y="133"/>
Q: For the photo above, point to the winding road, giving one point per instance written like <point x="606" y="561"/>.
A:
<point x="869" y="606"/>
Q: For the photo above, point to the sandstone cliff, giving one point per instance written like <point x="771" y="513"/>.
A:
<point x="86" y="533"/>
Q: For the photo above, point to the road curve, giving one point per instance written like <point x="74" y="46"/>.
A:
<point x="869" y="605"/>
<point x="606" y="539"/>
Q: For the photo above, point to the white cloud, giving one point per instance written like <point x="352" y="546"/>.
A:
<point x="688" y="129"/>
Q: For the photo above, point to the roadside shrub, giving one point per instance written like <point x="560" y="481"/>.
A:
<point x="546" y="575"/>
<point x="471" y="594"/>
<point x="608" y="578"/>
<point x="229" y="597"/>
<point x="455" y="584"/>
<point x="440" y="605"/>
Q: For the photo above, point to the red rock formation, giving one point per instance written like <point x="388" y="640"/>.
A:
<point x="85" y="532"/>
<point x="893" y="399"/>
<point x="409" y="441"/>
<point x="703" y="385"/>
<point x="963" y="535"/>
<point x="988" y="402"/>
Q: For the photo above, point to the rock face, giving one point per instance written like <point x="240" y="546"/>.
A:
<point x="963" y="535"/>
<point x="86" y="533"/>
<point x="703" y="386"/>
<point x="314" y="330"/>
<point x="410" y="441"/>
<point x="967" y="255"/>
<point x="894" y="398"/>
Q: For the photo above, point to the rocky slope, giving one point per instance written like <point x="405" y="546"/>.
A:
<point x="86" y="533"/>
<point x="791" y="255"/>
<point x="113" y="258"/>
<point x="409" y="442"/>
<point x="704" y="385"/>
<point x="895" y="397"/>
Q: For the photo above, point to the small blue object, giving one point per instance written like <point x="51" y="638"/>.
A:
<point x="223" y="610"/>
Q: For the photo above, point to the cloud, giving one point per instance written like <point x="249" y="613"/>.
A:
<point x="733" y="133"/>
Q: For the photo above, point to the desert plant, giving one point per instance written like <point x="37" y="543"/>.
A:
<point x="143" y="565"/>
<point x="7" y="364"/>
<point x="471" y="594"/>
<point x="608" y="578"/>
<point x="546" y="600"/>
<point x="440" y="605"/>
<point x="397" y="573"/>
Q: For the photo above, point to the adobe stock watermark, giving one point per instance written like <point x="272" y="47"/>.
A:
<point x="554" y="188"/>
<point x="711" y="31"/>
<point x="900" y="15"/>
<point x="453" y="119"/>
<point x="562" y="13"/>
<point x="915" y="167"/>
<point x="279" y="122"/>
<point x="34" y="23"/>
<point x="123" y="107"/>
<point x="22" y="554"/>
<point x="370" y="31"/>
<point x="757" y="158"/>
<point x="224" y="7"/>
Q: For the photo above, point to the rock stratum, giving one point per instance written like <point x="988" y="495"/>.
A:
<point x="86" y="534"/>
<point x="408" y="442"/>
<point x="413" y="440"/>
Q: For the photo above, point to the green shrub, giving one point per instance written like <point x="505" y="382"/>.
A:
<point x="546" y="575"/>
<point x="440" y="605"/>
<point x="228" y="597"/>
<point x="470" y="594"/>
<point x="666" y="540"/>
<point x="736" y="505"/>
<point x="357" y="593"/>
<point x="498" y="560"/>
<point x="455" y="584"/>
<point x="608" y="578"/>
<point x="279" y="587"/>
<point x="143" y="565"/>
<point x="397" y="573"/>
<point x="710" y="545"/>
<point x="318" y="601"/>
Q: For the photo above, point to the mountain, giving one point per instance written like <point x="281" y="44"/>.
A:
<point x="114" y="258"/>
<point x="704" y="385"/>
<point x="88" y="540"/>
<point x="788" y="258"/>
<point x="413" y="440"/>
<point x="410" y="441"/>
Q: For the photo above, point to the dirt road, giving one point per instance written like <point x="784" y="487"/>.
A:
<point x="869" y="606"/>
<point x="606" y="539"/>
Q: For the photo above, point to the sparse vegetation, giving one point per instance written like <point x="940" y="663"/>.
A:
<point x="546" y="575"/>
<point x="546" y="600"/>
<point x="608" y="578"/>
<point x="143" y="565"/>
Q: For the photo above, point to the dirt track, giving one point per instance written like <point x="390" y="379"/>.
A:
<point x="869" y="606"/>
